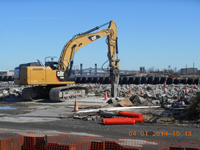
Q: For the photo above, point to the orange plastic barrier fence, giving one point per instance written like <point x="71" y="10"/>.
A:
<point x="17" y="140"/>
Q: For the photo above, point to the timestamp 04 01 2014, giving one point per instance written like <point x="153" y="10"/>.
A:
<point x="160" y="133"/>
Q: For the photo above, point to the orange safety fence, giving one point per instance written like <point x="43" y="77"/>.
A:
<point x="21" y="140"/>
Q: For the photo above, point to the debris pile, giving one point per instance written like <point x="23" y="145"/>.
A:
<point x="174" y="100"/>
<point x="111" y="117"/>
<point x="148" y="95"/>
<point x="7" y="84"/>
<point x="10" y="92"/>
<point x="95" y="116"/>
<point x="178" y="99"/>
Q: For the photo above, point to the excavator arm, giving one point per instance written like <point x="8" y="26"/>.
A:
<point x="78" y="41"/>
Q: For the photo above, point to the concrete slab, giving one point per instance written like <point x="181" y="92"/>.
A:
<point x="44" y="110"/>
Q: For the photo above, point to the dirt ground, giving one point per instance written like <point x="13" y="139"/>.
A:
<point x="47" y="117"/>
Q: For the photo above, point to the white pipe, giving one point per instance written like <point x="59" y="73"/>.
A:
<point x="116" y="108"/>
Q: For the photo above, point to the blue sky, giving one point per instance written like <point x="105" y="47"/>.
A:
<point x="153" y="34"/>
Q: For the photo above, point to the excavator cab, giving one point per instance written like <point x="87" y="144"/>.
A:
<point x="52" y="64"/>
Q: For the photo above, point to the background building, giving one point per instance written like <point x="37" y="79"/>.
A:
<point x="142" y="70"/>
<point x="6" y="72"/>
<point x="188" y="71"/>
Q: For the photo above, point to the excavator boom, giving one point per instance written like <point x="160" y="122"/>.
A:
<point x="80" y="40"/>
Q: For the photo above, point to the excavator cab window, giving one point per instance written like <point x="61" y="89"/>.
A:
<point x="53" y="65"/>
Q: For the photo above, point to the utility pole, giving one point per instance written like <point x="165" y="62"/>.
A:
<point x="186" y="70"/>
<point x="193" y="72"/>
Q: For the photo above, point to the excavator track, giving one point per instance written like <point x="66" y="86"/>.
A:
<point x="34" y="93"/>
<point x="26" y="93"/>
<point x="54" y="93"/>
<point x="30" y="93"/>
<point x="62" y="93"/>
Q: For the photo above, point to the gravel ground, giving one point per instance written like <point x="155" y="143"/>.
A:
<point x="56" y="117"/>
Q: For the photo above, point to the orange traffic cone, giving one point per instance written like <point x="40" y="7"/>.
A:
<point x="141" y="91"/>
<point x="130" y="90"/>
<point x="99" y="87"/>
<point x="106" y="96"/>
<point x="165" y="84"/>
<point x="76" y="106"/>
<point x="179" y="98"/>
<point x="90" y="85"/>
<point x="186" y="91"/>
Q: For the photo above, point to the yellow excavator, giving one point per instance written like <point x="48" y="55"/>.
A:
<point x="53" y="78"/>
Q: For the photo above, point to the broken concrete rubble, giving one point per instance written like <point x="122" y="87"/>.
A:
<point x="152" y="94"/>
<point x="112" y="101"/>
<point x="11" y="92"/>
<point x="156" y="102"/>
<point x="95" y="116"/>
<point x="140" y="101"/>
<point x="149" y="88"/>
